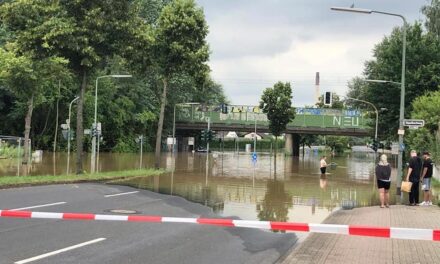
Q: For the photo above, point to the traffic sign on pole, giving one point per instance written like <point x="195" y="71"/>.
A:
<point x="413" y="123"/>
<point x="254" y="156"/>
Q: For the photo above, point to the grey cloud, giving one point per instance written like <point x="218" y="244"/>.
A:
<point x="264" y="29"/>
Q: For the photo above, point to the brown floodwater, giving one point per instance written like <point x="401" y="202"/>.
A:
<point x="233" y="185"/>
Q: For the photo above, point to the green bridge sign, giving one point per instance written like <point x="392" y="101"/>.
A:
<point x="249" y="115"/>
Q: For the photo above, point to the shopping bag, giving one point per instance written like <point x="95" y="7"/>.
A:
<point x="406" y="186"/>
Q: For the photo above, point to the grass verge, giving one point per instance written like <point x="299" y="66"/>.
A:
<point x="17" y="181"/>
<point x="435" y="185"/>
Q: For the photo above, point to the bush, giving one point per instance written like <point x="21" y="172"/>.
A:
<point x="7" y="151"/>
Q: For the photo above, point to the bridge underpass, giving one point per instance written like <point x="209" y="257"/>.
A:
<point x="191" y="119"/>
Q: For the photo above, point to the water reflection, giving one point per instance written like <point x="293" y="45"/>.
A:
<point x="323" y="181"/>
<point x="233" y="185"/>
<point x="276" y="202"/>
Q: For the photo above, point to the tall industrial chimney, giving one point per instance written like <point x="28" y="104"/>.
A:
<point x="317" y="92"/>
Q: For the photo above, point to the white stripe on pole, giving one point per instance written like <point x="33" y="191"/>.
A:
<point x="45" y="215"/>
<point x="330" y="229"/>
<point x="111" y="217"/>
<point x="252" y="224"/>
<point x="179" y="220"/>
<point x="411" y="233"/>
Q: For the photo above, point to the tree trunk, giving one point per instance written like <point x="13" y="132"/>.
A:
<point x="160" y="125"/>
<point x="79" y="124"/>
<point x="27" y="128"/>
<point x="56" y="119"/>
<point x="304" y="148"/>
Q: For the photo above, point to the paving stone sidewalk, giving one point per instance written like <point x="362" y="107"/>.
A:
<point x="332" y="248"/>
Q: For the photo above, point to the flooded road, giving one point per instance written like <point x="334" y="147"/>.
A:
<point x="234" y="185"/>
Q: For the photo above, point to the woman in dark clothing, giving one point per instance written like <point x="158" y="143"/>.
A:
<point x="383" y="175"/>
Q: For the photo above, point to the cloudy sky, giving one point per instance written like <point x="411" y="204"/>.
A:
<point x="256" y="43"/>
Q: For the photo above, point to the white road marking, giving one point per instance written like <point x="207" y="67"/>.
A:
<point x="37" y="206"/>
<point x="118" y="194"/>
<point x="59" y="251"/>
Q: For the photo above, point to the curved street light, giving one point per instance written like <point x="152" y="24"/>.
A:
<point x="94" y="127"/>
<point x="402" y="82"/>
<point x="68" y="134"/>
<point x="375" y="110"/>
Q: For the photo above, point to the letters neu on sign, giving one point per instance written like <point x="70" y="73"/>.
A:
<point x="347" y="121"/>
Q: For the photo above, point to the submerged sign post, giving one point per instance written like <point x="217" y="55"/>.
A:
<point x="413" y="123"/>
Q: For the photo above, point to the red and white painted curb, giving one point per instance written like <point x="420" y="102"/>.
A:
<point x="372" y="231"/>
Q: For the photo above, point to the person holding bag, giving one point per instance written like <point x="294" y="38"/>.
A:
<point x="383" y="175"/>
<point x="413" y="175"/>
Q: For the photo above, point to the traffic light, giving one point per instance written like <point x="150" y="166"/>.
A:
<point x="375" y="145"/>
<point x="204" y="135"/>
<point x="327" y="98"/>
<point x="224" y="108"/>
<point x="211" y="135"/>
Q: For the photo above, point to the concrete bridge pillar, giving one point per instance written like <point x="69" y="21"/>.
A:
<point x="292" y="144"/>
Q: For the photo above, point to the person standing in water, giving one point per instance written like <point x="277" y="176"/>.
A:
<point x="323" y="165"/>
<point x="383" y="176"/>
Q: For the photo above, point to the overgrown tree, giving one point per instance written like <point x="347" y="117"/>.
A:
<point x="276" y="103"/>
<point x="30" y="80"/>
<point x="179" y="46"/>
<point x="426" y="107"/>
<point x="85" y="32"/>
<point x="423" y="65"/>
<point x="432" y="13"/>
<point x="307" y="140"/>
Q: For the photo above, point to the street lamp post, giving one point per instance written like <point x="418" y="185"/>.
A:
<point x="255" y="134"/>
<point x="174" y="123"/>
<point x="402" y="83"/>
<point x="68" y="133"/>
<point x="375" y="110"/>
<point x="95" y="127"/>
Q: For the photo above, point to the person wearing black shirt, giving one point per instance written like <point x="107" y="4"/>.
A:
<point x="383" y="175"/>
<point x="413" y="175"/>
<point x="426" y="179"/>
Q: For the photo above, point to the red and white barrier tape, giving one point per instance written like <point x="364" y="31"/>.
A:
<point x="389" y="232"/>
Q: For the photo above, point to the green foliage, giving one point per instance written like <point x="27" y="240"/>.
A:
<point x="432" y="13"/>
<point x="336" y="102"/>
<point x="24" y="76"/>
<point x="43" y="42"/>
<point x="180" y="39"/>
<point x="426" y="107"/>
<point x="308" y="140"/>
<point x="337" y="143"/>
<point x="422" y="67"/>
<point x="276" y="102"/>
<point x="7" y="151"/>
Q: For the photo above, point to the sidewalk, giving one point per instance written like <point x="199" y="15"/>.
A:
<point x="331" y="248"/>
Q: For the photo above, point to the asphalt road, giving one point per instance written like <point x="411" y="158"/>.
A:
<point x="27" y="240"/>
